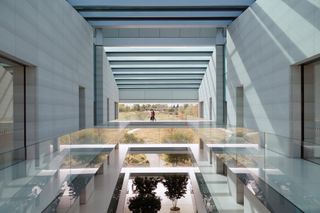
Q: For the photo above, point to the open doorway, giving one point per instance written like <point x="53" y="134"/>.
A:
<point x="108" y="109"/>
<point x="12" y="105"/>
<point x="116" y="110"/>
<point x="210" y="108"/>
<point x="201" y="114"/>
<point x="239" y="106"/>
<point x="311" y="111"/>
<point x="82" y="108"/>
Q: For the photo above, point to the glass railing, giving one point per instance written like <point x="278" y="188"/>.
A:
<point x="51" y="176"/>
<point x="58" y="170"/>
<point x="269" y="165"/>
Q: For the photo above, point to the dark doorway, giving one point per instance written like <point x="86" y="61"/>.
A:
<point x="82" y="108"/>
<point x="310" y="77"/>
<point x="12" y="106"/>
<point x="239" y="106"/>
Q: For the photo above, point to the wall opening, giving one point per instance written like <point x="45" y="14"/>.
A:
<point x="201" y="110"/>
<point x="116" y="110"/>
<point x="210" y="108"/>
<point x="310" y="76"/>
<point x="108" y="109"/>
<point x="82" y="108"/>
<point x="12" y="106"/>
<point x="239" y="106"/>
<point x="163" y="111"/>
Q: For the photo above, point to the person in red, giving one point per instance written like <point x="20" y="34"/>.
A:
<point x="152" y="115"/>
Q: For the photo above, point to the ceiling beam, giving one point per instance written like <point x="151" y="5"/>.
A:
<point x="79" y="4"/>
<point x="158" y="87"/>
<point x="158" y="58"/>
<point x="157" y="49"/>
<point x="156" y="54"/>
<point x="157" y="77"/>
<point x="159" y="82"/>
<point x="160" y="14"/>
<point x="160" y="23"/>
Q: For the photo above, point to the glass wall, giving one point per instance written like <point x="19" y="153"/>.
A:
<point x="312" y="112"/>
<point x="11" y="105"/>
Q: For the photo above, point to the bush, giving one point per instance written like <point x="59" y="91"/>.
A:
<point x="131" y="138"/>
<point x="177" y="137"/>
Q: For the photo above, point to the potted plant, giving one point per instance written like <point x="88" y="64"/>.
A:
<point x="146" y="201"/>
<point x="176" y="188"/>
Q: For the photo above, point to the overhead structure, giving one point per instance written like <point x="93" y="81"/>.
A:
<point x="164" y="13"/>
<point x="158" y="67"/>
<point x="159" y="49"/>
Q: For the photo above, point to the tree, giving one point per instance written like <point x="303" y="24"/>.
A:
<point x="176" y="188"/>
<point x="146" y="201"/>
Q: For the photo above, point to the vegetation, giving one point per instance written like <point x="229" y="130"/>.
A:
<point x="92" y="136"/>
<point x="84" y="161"/>
<point x="131" y="138"/>
<point x="178" y="137"/>
<point x="163" y="111"/>
<point x="146" y="201"/>
<point x="176" y="188"/>
<point x="136" y="160"/>
<point x="177" y="159"/>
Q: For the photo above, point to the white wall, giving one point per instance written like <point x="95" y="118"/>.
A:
<point x="106" y="88"/>
<point x="262" y="44"/>
<point x="57" y="42"/>
<point x="207" y="89"/>
<point x="158" y="95"/>
<point x="212" y="87"/>
<point x="111" y="89"/>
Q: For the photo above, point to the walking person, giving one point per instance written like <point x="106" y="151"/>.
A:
<point x="152" y="115"/>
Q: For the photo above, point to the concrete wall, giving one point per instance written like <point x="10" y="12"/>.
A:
<point x="212" y="87"/>
<point x="56" y="44"/>
<point x="106" y="88"/>
<point x="158" y="95"/>
<point x="263" y="45"/>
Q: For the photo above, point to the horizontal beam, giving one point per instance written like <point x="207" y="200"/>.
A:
<point x="158" y="87"/>
<point x="158" y="94"/>
<point x="158" y="54"/>
<point x="159" y="58"/>
<point x="159" y="66"/>
<point x="160" y="14"/>
<point x="158" y="70"/>
<point x="156" y="63"/>
<point x="157" y="73"/>
<point x="159" y="82"/>
<point x="156" y="3"/>
<point x="160" y="23"/>
<point x="156" y="49"/>
<point x="157" y="77"/>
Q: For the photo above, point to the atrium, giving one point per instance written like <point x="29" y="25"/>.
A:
<point x="145" y="106"/>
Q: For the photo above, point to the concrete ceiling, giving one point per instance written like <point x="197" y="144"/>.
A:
<point x="156" y="13"/>
<point x="156" y="44"/>
<point x="158" y="67"/>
